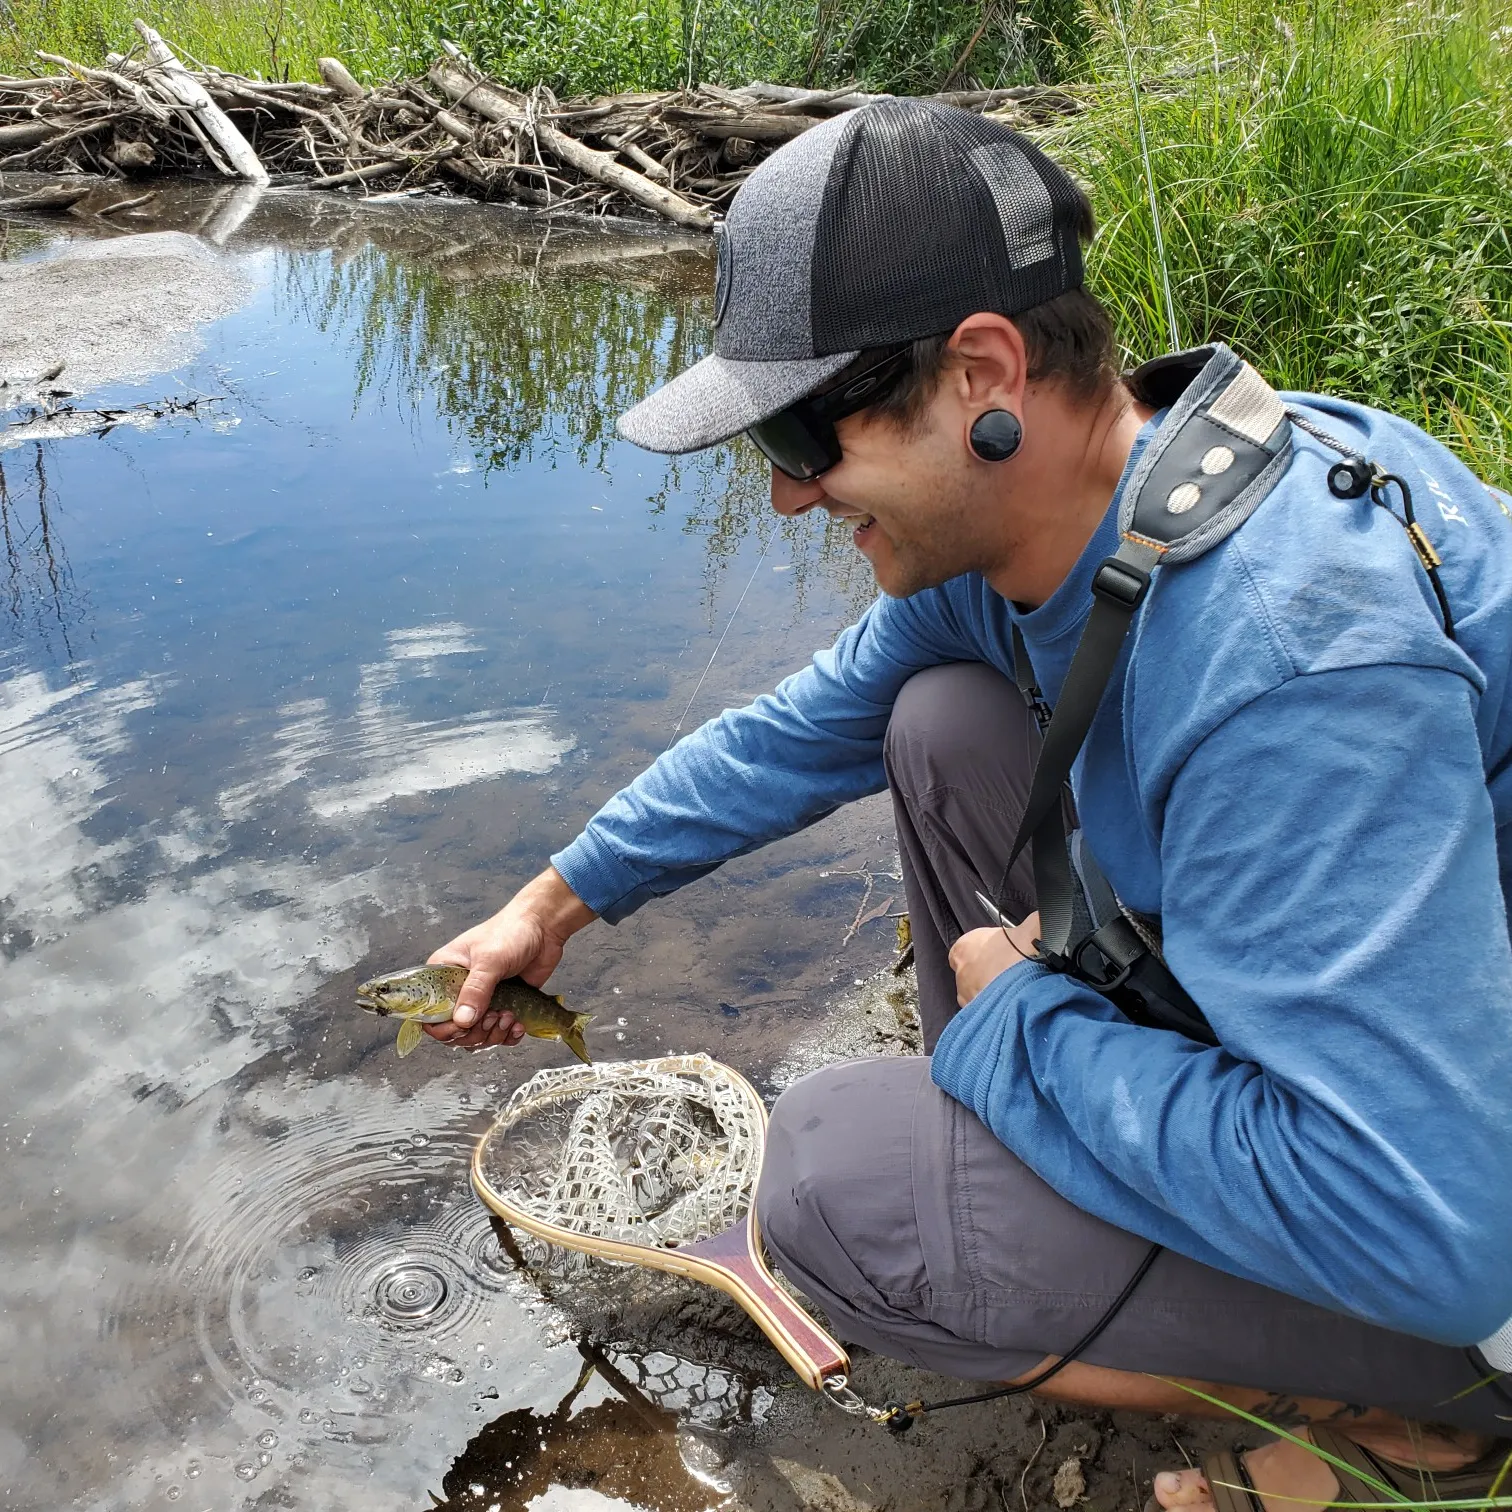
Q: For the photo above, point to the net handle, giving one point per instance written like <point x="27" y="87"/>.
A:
<point x="731" y="1262"/>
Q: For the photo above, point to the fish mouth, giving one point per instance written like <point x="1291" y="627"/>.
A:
<point x="371" y="1004"/>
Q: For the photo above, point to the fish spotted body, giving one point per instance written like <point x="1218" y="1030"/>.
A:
<point x="428" y="995"/>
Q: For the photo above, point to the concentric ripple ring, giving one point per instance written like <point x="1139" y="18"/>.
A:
<point x="411" y="1291"/>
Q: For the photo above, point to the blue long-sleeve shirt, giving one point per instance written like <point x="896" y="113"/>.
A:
<point x="1309" y="783"/>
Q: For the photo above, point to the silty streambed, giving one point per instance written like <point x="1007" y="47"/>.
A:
<point x="293" y="685"/>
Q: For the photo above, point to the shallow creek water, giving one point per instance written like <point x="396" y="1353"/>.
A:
<point x="292" y="688"/>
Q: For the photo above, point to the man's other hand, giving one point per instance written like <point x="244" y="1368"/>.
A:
<point x="982" y="954"/>
<point x="525" y="939"/>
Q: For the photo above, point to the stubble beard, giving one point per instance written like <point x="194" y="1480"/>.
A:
<point x="943" y="548"/>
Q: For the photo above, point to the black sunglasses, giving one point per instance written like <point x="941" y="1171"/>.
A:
<point x="801" y="441"/>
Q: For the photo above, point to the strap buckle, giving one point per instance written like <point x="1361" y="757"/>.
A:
<point x="1120" y="583"/>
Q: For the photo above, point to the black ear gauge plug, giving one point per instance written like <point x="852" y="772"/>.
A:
<point x="1351" y="478"/>
<point x="995" y="436"/>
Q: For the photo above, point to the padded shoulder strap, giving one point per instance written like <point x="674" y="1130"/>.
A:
<point x="1221" y="449"/>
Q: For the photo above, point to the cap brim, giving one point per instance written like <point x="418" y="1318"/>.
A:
<point x="718" y="398"/>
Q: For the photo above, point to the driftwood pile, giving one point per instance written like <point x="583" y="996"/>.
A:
<point x="676" y="156"/>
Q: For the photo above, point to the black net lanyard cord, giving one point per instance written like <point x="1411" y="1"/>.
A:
<point x="900" y="1414"/>
<point x="1118" y="589"/>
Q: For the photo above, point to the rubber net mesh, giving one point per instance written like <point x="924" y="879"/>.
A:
<point x="633" y="1151"/>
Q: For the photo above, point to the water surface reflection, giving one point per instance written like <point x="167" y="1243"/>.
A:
<point x="288" y="698"/>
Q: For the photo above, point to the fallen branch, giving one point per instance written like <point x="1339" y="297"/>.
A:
<point x="492" y="104"/>
<point x="208" y="117"/>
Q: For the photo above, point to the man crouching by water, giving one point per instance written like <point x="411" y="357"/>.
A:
<point x="1298" y="783"/>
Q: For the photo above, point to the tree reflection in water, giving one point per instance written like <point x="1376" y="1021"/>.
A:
<point x="38" y="591"/>
<point x="532" y="345"/>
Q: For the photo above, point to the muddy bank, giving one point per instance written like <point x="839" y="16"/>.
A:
<point x="99" y="312"/>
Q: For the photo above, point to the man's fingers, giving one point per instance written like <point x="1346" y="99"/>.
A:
<point x="475" y="995"/>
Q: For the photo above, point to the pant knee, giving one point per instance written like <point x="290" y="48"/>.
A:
<point x="790" y="1195"/>
<point x="945" y="718"/>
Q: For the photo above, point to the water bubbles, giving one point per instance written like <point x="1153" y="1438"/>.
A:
<point x="411" y="1292"/>
<point x="323" y="1271"/>
<point x="174" y="1492"/>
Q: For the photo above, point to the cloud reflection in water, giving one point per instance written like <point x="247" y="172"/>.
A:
<point x="382" y="754"/>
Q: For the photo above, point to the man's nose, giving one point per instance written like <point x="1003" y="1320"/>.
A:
<point x="790" y="497"/>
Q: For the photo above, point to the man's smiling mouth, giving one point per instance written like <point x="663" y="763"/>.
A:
<point x="859" y="523"/>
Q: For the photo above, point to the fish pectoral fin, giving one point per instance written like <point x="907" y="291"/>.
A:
<point x="409" y="1036"/>
<point x="559" y="1000"/>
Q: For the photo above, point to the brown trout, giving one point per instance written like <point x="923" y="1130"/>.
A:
<point x="427" y="995"/>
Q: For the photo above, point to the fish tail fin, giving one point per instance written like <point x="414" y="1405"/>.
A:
<point x="409" y="1036"/>
<point x="572" y="1037"/>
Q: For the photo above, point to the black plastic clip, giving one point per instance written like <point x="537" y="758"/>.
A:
<point x="898" y="1418"/>
<point x="1120" y="583"/>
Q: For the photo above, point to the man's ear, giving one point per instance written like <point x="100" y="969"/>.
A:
<point x="990" y="366"/>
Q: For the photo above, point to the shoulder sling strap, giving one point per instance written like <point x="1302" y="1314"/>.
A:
<point x="1221" y="449"/>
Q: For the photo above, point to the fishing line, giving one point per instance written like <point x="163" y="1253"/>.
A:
<point x="677" y="730"/>
<point x="1144" y="151"/>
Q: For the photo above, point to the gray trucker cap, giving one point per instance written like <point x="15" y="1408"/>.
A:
<point x="877" y="227"/>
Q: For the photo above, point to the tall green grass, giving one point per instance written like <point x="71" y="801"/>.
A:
<point x="1336" y="187"/>
<point x="587" y="46"/>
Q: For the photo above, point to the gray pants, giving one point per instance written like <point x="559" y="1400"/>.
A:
<point x="894" y="1208"/>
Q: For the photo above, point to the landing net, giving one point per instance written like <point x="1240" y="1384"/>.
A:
<point x="656" y="1154"/>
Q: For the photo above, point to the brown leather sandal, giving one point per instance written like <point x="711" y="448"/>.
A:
<point x="1233" y="1491"/>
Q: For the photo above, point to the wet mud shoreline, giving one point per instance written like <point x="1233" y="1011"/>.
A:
<point x="293" y="690"/>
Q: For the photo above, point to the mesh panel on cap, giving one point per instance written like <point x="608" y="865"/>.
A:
<point x="931" y="214"/>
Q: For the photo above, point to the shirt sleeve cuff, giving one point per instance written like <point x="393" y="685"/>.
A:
<point x="960" y="1048"/>
<point x="604" y="882"/>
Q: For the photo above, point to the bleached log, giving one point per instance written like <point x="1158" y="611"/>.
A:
<point x="335" y="73"/>
<point x="647" y="164"/>
<point x="211" y="119"/>
<point x="357" y="175"/>
<point x="484" y="100"/>
<point x="788" y="94"/>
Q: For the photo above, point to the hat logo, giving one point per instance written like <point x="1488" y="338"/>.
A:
<point x="723" y="259"/>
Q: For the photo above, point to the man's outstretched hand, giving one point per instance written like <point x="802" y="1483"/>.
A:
<point x="525" y="939"/>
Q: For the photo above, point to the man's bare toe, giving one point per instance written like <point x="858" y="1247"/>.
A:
<point x="1183" y="1488"/>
